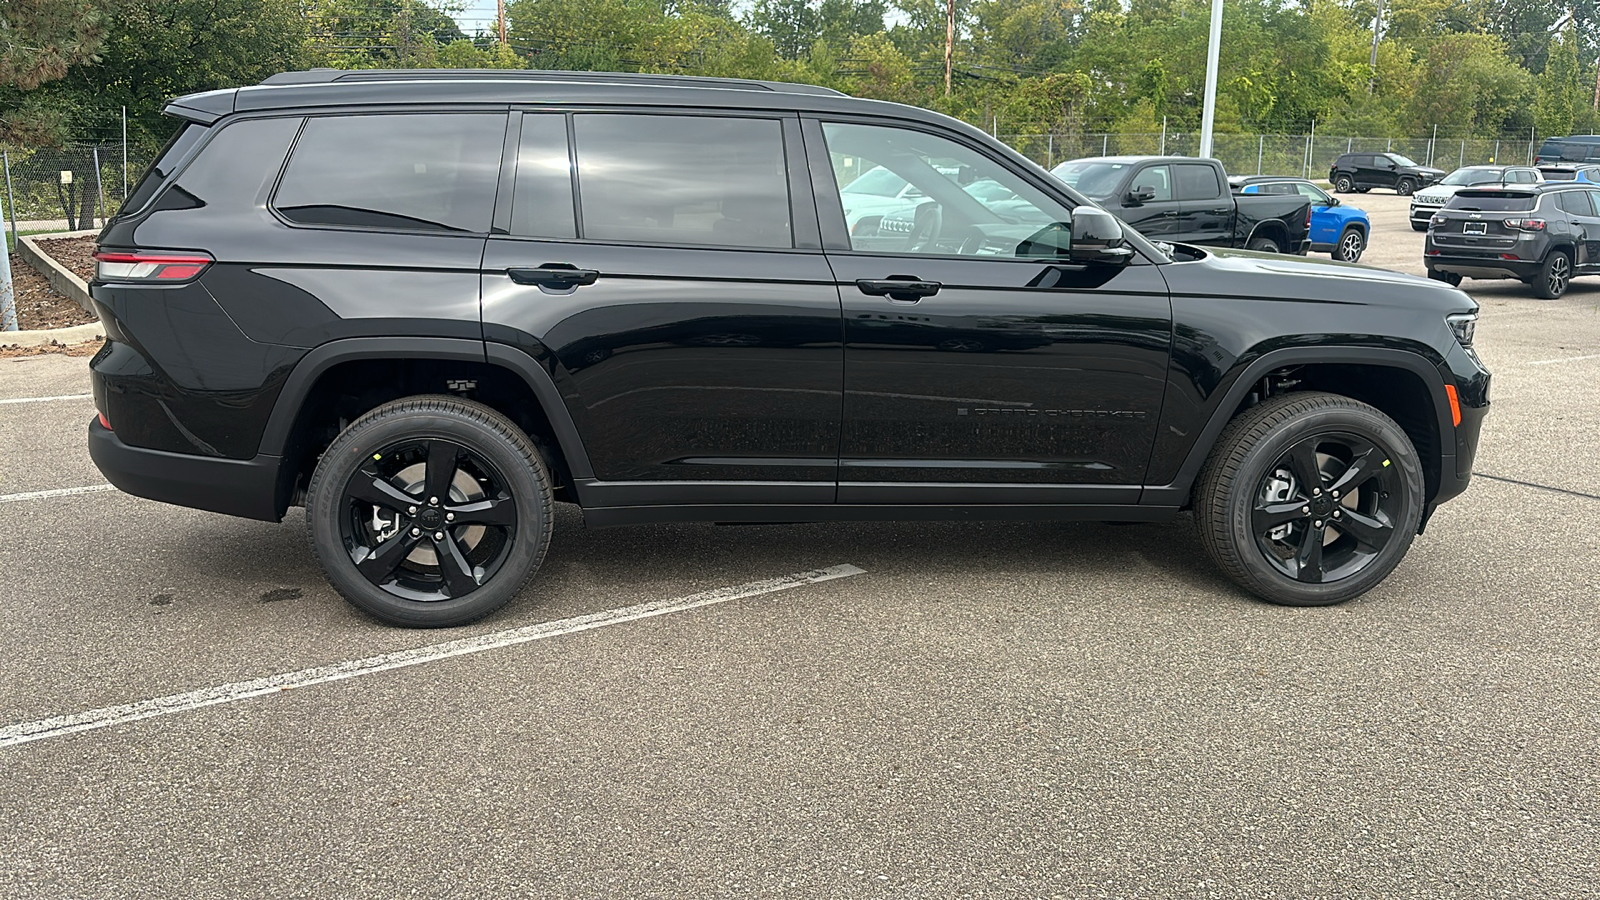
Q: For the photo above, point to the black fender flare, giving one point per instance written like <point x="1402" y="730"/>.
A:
<point x="1176" y="492"/>
<point x="286" y="410"/>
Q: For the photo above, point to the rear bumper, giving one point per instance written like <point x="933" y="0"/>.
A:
<point x="235" y="487"/>
<point x="1484" y="266"/>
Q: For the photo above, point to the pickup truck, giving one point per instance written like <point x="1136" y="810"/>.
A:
<point x="1186" y="200"/>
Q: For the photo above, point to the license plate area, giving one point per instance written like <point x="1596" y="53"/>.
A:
<point x="1475" y="228"/>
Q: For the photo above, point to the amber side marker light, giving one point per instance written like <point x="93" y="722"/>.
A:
<point x="1455" y="404"/>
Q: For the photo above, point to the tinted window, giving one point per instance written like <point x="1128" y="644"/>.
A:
<point x="1197" y="182"/>
<point x="173" y="153"/>
<point x="1575" y="202"/>
<point x="1156" y="179"/>
<point x="960" y="201"/>
<point x="1098" y="180"/>
<point x="433" y="172"/>
<point x="541" y="200"/>
<point x="1492" y="201"/>
<point x="683" y="180"/>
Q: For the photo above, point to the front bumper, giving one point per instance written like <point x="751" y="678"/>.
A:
<point x="235" y="487"/>
<point x="1423" y="214"/>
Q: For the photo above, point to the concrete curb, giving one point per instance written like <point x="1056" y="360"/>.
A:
<point x="61" y="278"/>
<point x="75" y="334"/>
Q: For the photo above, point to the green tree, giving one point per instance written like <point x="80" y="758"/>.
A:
<point x="1558" y="91"/>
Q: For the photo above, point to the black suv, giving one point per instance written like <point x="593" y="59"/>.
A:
<point x="428" y="304"/>
<point x="1542" y="234"/>
<point x="1364" y="171"/>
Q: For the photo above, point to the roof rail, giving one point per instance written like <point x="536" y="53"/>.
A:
<point x="330" y="76"/>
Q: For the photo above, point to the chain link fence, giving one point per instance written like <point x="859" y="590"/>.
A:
<point x="1303" y="155"/>
<point x="68" y="188"/>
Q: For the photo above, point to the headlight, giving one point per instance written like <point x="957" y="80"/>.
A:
<point x="1462" y="325"/>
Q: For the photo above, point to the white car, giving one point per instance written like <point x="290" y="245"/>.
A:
<point x="1429" y="200"/>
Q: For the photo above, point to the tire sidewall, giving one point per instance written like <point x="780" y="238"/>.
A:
<point x="1343" y="184"/>
<point x="1406" y="187"/>
<point x="1241" y="502"/>
<point x="1339" y="248"/>
<point x="1542" y="286"/>
<point x="325" y="507"/>
<point x="1263" y="245"/>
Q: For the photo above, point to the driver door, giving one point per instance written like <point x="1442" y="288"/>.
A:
<point x="979" y="365"/>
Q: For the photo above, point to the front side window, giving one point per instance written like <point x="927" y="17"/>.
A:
<point x="1398" y="160"/>
<point x="1314" y="194"/>
<point x="960" y="201"/>
<point x="1155" y="180"/>
<point x="407" y="172"/>
<point x="683" y="180"/>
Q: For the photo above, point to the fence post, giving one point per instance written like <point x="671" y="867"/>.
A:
<point x="8" y="301"/>
<point x="1349" y="144"/>
<point x="11" y="199"/>
<point x="124" y="155"/>
<point x="1105" y="143"/>
<point x="1463" y="158"/>
<point x="1163" y="151"/>
<point x="99" y="189"/>
<point x="1261" y="147"/>
<point x="1496" y="151"/>
<point x="1050" y="154"/>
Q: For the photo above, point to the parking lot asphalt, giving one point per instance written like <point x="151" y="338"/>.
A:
<point x="985" y="710"/>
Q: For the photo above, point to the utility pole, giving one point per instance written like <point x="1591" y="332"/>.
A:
<point x="501" y="17"/>
<point x="1208" y="114"/>
<point x="949" y="41"/>
<point x="1377" y="29"/>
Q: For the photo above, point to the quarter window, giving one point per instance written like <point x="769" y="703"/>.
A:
<point x="412" y="172"/>
<point x="683" y="180"/>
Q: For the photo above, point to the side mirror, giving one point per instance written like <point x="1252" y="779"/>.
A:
<point x="1333" y="201"/>
<point x="1097" y="238"/>
<point x="1141" y="194"/>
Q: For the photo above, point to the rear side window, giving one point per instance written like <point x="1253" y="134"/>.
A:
<point x="1575" y="202"/>
<point x="173" y="153"/>
<point x="411" y="172"/>
<point x="1197" y="182"/>
<point x="541" y="200"/>
<point x="683" y="180"/>
<point x="1493" y="201"/>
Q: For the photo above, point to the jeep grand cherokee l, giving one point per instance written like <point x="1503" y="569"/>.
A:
<point x="426" y="305"/>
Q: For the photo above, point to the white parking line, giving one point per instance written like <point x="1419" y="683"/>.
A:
<point x="1564" y="359"/>
<point x="58" y="492"/>
<point x="56" y="726"/>
<point x="47" y="399"/>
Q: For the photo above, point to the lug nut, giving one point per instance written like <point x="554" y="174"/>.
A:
<point x="1336" y="514"/>
<point x="433" y="501"/>
<point x="1335" y="495"/>
<point x="411" y="510"/>
<point x="1316" y="492"/>
<point x="449" y="517"/>
<point x="1317" y="523"/>
<point x="1306" y="510"/>
<point x="416" y="531"/>
<point x="438" y="535"/>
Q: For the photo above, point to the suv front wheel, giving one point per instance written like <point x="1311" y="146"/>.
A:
<point x="1309" y="499"/>
<point x="430" y="511"/>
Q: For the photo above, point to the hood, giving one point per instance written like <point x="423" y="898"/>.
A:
<point x="1278" y="276"/>
<point x="1429" y="172"/>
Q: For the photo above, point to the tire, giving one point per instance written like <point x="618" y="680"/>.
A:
<point x="1343" y="184"/>
<point x="1554" y="276"/>
<point x="1263" y="245"/>
<point x="380" y="540"/>
<point x="1298" y="547"/>
<point x="1406" y="187"/>
<point x="1451" y="278"/>
<point x="1363" y="190"/>
<point x="1352" y="243"/>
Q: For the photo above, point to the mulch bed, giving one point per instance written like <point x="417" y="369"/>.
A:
<point x="77" y="254"/>
<point x="38" y="304"/>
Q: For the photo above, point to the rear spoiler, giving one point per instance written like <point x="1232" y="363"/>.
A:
<point x="203" y="109"/>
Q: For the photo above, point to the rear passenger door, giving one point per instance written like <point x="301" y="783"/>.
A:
<point x="1205" y="210"/>
<point x="667" y="271"/>
<point x="1580" y="208"/>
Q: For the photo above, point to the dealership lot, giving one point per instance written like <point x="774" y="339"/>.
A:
<point x="980" y="710"/>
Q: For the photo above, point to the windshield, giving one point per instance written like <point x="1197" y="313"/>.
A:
<point x="1472" y="176"/>
<point x="877" y="181"/>
<point x="1094" y="179"/>
<point x="1402" y="160"/>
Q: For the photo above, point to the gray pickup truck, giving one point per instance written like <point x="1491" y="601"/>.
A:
<point x="1186" y="200"/>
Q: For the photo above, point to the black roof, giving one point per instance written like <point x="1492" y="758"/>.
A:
<point x="338" y="87"/>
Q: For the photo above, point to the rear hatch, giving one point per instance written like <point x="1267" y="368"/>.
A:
<point x="1483" y="221"/>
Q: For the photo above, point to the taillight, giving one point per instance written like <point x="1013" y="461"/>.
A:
<point x="1437" y="220"/>
<point x="1526" y="224"/>
<point x="116" y="265"/>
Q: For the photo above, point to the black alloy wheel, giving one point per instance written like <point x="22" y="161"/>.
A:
<point x="1343" y="184"/>
<point x="430" y="511"/>
<point x="1554" y="276"/>
<point x="1406" y="187"/>
<point x="1351" y="245"/>
<point x="1310" y="499"/>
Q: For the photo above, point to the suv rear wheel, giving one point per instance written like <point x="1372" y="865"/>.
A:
<point x="1554" y="275"/>
<point x="430" y="511"/>
<point x="1309" y="499"/>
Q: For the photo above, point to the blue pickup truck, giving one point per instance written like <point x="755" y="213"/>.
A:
<point x="1337" y="230"/>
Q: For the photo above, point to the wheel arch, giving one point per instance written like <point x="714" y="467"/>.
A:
<point x="1403" y="384"/>
<point x="381" y="369"/>
<point x="1270" y="228"/>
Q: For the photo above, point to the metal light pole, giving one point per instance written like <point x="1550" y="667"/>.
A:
<point x="8" y="305"/>
<point x="1213" y="48"/>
